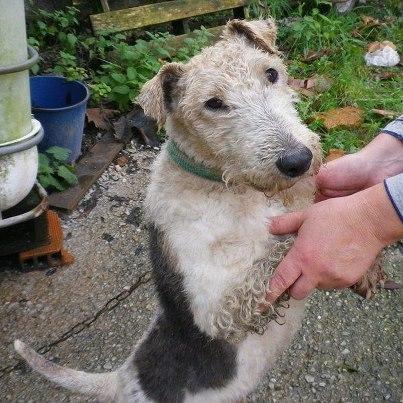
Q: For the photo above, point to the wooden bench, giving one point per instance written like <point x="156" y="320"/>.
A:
<point x="176" y="11"/>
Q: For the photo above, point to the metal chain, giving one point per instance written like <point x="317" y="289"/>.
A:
<point x="86" y="323"/>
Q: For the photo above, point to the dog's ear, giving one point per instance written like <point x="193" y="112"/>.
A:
<point x="261" y="33"/>
<point x="158" y="96"/>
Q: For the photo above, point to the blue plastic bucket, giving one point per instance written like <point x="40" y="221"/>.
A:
<point x="60" y="106"/>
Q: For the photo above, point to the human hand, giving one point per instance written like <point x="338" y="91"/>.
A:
<point x="381" y="158"/>
<point x="338" y="241"/>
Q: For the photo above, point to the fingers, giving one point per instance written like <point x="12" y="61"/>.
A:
<point x="287" y="223"/>
<point x="341" y="177"/>
<point x="303" y="287"/>
<point x="324" y="194"/>
<point x="331" y="175"/>
<point x="284" y="276"/>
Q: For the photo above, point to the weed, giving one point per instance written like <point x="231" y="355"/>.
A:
<point x="115" y="68"/>
<point x="354" y="83"/>
<point x="67" y="66"/>
<point x="57" y="26"/>
<point x="54" y="172"/>
<point x="274" y="8"/>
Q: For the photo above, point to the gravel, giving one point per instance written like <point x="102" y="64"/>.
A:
<point x="348" y="349"/>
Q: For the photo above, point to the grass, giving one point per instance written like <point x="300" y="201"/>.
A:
<point x="353" y="82"/>
<point x="116" y="66"/>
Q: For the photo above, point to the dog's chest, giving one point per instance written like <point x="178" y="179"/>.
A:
<point x="238" y="228"/>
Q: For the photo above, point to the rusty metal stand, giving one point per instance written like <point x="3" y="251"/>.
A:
<point x="52" y="254"/>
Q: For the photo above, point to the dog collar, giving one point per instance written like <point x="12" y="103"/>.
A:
<point x="189" y="165"/>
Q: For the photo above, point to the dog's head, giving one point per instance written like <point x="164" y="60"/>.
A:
<point x="230" y="107"/>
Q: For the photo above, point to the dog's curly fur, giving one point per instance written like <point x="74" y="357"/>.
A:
<point x="244" y="308"/>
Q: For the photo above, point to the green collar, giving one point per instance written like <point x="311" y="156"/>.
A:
<point x="189" y="165"/>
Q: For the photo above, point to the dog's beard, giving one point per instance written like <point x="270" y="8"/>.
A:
<point x="272" y="184"/>
<point x="277" y="184"/>
<point x="268" y="183"/>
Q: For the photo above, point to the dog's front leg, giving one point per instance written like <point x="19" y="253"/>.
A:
<point x="244" y="308"/>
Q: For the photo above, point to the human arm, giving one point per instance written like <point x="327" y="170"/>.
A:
<point x="381" y="158"/>
<point x="328" y="229"/>
<point x="338" y="240"/>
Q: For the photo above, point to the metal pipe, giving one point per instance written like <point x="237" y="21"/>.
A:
<point x="23" y="145"/>
<point x="26" y="65"/>
<point x="35" y="212"/>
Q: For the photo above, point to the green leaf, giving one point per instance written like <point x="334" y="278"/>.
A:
<point x="163" y="52"/>
<point x="58" y="153"/>
<point x="120" y="78"/>
<point x="61" y="36"/>
<point x="71" y="39"/>
<point x="48" y="181"/>
<point x="44" y="164"/>
<point x="131" y="73"/>
<point x="121" y="89"/>
<point x="35" y="69"/>
<point x="67" y="175"/>
<point x="41" y="24"/>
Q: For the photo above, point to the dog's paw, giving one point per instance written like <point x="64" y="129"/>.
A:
<point x="375" y="276"/>
<point x="244" y="309"/>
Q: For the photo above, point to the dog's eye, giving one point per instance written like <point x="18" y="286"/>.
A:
<point x="214" y="104"/>
<point x="272" y="75"/>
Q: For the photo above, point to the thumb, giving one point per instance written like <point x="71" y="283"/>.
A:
<point x="287" y="223"/>
<point x="287" y="272"/>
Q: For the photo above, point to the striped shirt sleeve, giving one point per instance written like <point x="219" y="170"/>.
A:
<point x="394" y="185"/>
<point x="395" y="128"/>
<point x="394" y="189"/>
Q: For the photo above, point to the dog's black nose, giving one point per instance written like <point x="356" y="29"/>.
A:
<point x="296" y="162"/>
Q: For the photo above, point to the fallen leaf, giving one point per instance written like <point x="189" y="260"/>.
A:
<point x="335" y="153"/>
<point x="315" y="54"/>
<point x="374" y="46"/>
<point x="388" y="43"/>
<point x="348" y="116"/>
<point x="386" y="113"/>
<point x="322" y="83"/>
<point x="385" y="75"/>
<point x="311" y="85"/>
<point x="356" y="33"/>
<point x="122" y="160"/>
<point x="368" y="21"/>
<point x="136" y="122"/>
<point x="390" y="19"/>
<point x="101" y="117"/>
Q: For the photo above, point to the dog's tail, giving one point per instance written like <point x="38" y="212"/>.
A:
<point x="103" y="386"/>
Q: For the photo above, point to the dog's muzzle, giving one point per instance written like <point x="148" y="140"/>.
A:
<point x="295" y="162"/>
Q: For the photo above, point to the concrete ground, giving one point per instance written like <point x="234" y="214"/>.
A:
<point x="347" y="350"/>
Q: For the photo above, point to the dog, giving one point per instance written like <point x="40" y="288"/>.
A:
<point x="237" y="154"/>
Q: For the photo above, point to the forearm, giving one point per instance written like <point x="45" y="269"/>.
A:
<point x="382" y="157"/>
<point x="383" y="219"/>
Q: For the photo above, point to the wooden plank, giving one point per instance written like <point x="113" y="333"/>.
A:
<point x="177" y="41"/>
<point x="88" y="170"/>
<point x="152" y="14"/>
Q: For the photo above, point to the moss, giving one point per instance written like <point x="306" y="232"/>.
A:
<point x="15" y="107"/>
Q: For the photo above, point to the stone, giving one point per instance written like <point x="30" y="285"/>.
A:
<point x="309" y="378"/>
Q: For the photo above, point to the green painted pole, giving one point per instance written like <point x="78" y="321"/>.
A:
<point x="15" y="104"/>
